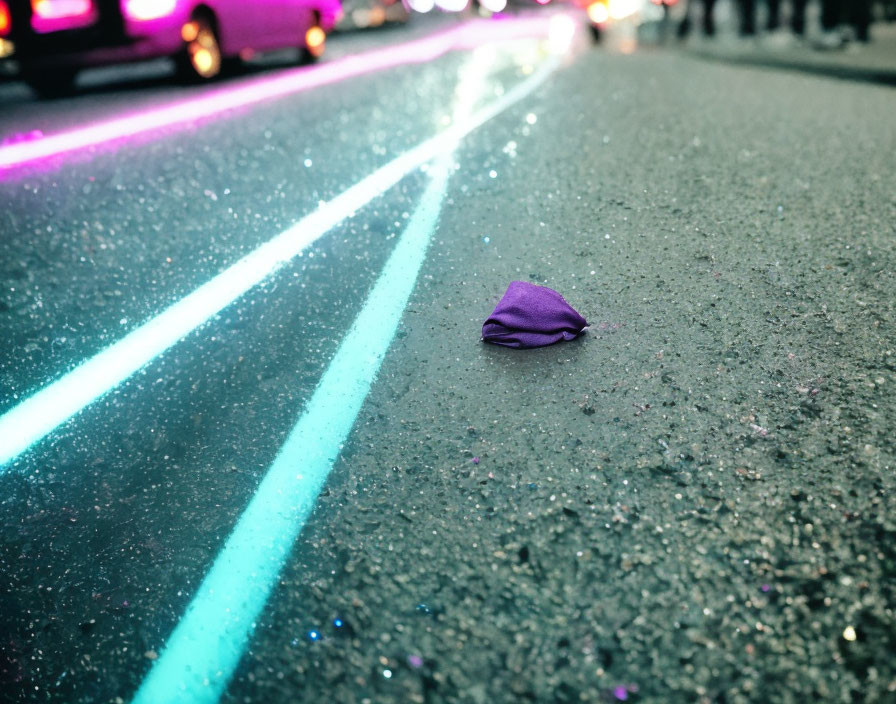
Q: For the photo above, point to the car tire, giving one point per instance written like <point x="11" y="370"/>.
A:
<point x="201" y="59"/>
<point x="48" y="83"/>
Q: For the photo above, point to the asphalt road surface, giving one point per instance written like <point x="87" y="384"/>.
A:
<point x="255" y="451"/>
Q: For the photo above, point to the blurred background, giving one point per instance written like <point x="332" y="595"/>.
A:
<point x="71" y="35"/>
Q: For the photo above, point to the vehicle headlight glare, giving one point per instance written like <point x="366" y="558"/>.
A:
<point x="598" y="12"/>
<point x="421" y="6"/>
<point x="620" y="9"/>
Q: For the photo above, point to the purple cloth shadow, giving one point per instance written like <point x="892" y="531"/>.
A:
<point x="531" y="316"/>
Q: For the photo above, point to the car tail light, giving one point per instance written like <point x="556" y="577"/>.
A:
<point x="620" y="9"/>
<point x="5" y="21"/>
<point x="55" y="15"/>
<point x="58" y="9"/>
<point x="148" y="9"/>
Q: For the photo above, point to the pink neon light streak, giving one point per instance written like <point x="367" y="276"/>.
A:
<point x="465" y="36"/>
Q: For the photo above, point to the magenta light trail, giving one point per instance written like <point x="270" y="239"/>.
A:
<point x="464" y="36"/>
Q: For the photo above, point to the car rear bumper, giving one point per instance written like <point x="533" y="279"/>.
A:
<point x="112" y="38"/>
<point x="330" y="13"/>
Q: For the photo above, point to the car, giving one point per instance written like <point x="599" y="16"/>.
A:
<point x="624" y="13"/>
<point x="52" y="40"/>
<point x="363" y="14"/>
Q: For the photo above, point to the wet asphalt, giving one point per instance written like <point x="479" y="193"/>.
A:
<point x="693" y="502"/>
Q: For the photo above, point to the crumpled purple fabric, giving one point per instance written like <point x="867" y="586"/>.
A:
<point x="532" y="316"/>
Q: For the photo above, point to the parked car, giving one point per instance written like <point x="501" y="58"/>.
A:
<point x="363" y="14"/>
<point x="53" y="39"/>
<point x="603" y="13"/>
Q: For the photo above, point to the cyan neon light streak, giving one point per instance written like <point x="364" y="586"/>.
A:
<point x="207" y="644"/>
<point x="464" y="36"/>
<point x="39" y="414"/>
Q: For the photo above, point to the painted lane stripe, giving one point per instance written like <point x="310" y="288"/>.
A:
<point x="208" y="642"/>
<point x="464" y="36"/>
<point x="38" y="415"/>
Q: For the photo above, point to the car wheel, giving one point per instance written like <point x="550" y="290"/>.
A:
<point x="314" y="43"/>
<point x="50" y="82"/>
<point x="200" y="58"/>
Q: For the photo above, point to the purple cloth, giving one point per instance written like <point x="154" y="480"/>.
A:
<point x="532" y="316"/>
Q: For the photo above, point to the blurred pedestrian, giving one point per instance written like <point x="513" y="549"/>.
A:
<point x="853" y="13"/>
<point x="773" y="20"/>
<point x="835" y="14"/>
<point x="707" y="23"/>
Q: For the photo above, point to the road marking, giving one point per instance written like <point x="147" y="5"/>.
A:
<point x="464" y="36"/>
<point x="208" y="642"/>
<point x="38" y="415"/>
